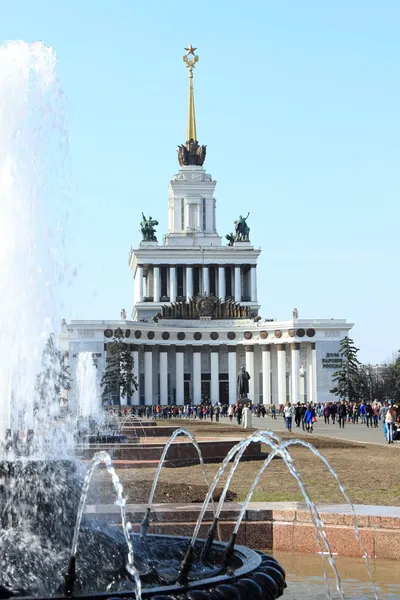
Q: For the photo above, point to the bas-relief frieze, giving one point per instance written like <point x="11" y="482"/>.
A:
<point x="86" y="333"/>
<point x="208" y="324"/>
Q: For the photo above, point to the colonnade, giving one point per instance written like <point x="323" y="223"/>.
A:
<point x="271" y="376"/>
<point x="242" y="285"/>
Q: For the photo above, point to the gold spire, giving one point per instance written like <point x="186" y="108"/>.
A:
<point x="190" y="63"/>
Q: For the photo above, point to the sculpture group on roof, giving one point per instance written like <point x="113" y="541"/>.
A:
<point x="191" y="153"/>
<point x="147" y="229"/>
<point x="242" y="231"/>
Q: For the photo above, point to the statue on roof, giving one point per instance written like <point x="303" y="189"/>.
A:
<point x="191" y="153"/>
<point x="231" y="238"/>
<point x="147" y="229"/>
<point x="242" y="230"/>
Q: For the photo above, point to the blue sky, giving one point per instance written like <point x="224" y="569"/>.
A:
<point x="298" y="103"/>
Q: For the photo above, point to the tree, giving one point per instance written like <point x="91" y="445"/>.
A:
<point x="118" y="378"/>
<point x="348" y="378"/>
<point x="53" y="377"/>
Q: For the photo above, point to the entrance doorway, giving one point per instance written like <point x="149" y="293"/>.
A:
<point x="224" y="392"/>
<point x="205" y="390"/>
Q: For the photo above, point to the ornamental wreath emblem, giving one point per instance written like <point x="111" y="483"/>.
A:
<point x="205" y="306"/>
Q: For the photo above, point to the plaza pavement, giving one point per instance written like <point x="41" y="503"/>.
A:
<point x="356" y="433"/>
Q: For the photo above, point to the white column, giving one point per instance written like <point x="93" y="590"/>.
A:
<point x="172" y="284"/>
<point x="295" y="371"/>
<point x="312" y="374"/>
<point x="250" y="370"/>
<point x="253" y="272"/>
<point x="135" y="372"/>
<point x="238" y="284"/>
<point x="156" y="284"/>
<point x="214" y="388"/>
<point x="266" y="371"/>
<point x="196" y="375"/>
<point x="163" y="375"/>
<point x="232" y="374"/>
<point x="189" y="282"/>
<point x="221" y="283"/>
<point x="148" y="375"/>
<point x="179" y="366"/>
<point x="206" y="280"/>
<point x="139" y="275"/>
<point x="281" y="373"/>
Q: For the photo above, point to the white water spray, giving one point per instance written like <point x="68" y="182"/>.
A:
<point x="32" y="152"/>
<point x="89" y="404"/>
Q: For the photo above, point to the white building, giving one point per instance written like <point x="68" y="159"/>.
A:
<point x="195" y="310"/>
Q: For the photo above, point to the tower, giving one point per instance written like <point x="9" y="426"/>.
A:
<point x="192" y="261"/>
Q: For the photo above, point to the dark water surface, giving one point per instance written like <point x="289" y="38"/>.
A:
<point x="305" y="577"/>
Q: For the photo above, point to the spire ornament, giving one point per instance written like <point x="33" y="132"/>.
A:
<point x="191" y="153"/>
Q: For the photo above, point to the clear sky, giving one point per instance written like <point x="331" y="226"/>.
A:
<point x="298" y="103"/>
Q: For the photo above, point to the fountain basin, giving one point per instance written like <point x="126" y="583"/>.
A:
<point x="249" y="575"/>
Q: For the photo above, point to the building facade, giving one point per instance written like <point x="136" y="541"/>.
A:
<point x="195" y="320"/>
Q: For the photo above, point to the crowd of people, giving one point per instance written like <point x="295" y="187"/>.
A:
<point x="204" y="411"/>
<point x="364" y="413"/>
<point x="303" y="416"/>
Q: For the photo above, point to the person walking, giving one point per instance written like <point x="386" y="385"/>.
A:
<point x="362" y="412"/>
<point x="273" y="411"/>
<point x="355" y="410"/>
<point x="368" y="413"/>
<point x="342" y="414"/>
<point x="325" y="413"/>
<point x="239" y="412"/>
<point x="390" y="419"/>
<point x="297" y="414"/>
<point x="309" y="418"/>
<point x="382" y="416"/>
<point x="231" y="410"/>
<point x="333" y="412"/>
<point x="375" y="414"/>
<point x="289" y="414"/>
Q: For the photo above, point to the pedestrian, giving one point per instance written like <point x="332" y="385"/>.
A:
<point x="333" y="412"/>
<point x="325" y="412"/>
<point x="342" y="410"/>
<point x="273" y="411"/>
<point x="382" y="416"/>
<point x="297" y="414"/>
<point x="289" y="412"/>
<point x="368" y="414"/>
<point x="309" y="418"/>
<point x="362" y="412"/>
<point x="239" y="412"/>
<point x="375" y="414"/>
<point x="231" y="410"/>
<point x="390" y="420"/>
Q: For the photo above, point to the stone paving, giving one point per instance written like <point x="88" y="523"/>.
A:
<point x="357" y="433"/>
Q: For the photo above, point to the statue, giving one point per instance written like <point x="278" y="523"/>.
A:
<point x="231" y="238"/>
<point x="242" y="230"/>
<point x="191" y="153"/>
<point x="147" y="228"/>
<point x="123" y="314"/>
<point x="243" y="383"/>
<point x="295" y="313"/>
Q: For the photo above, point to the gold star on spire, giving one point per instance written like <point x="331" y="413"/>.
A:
<point x="190" y="50"/>
<point x="190" y="63"/>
